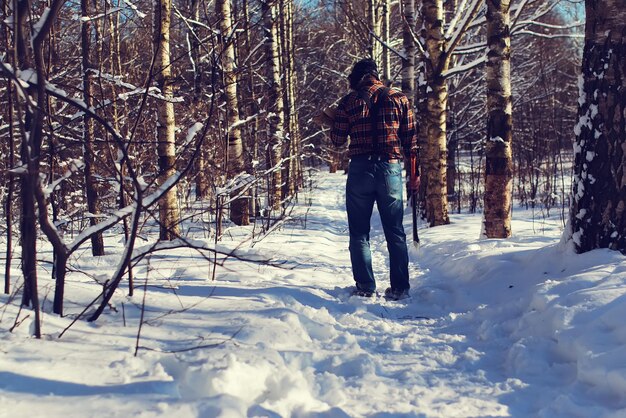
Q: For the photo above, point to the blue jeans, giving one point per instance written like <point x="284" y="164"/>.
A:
<point x="369" y="181"/>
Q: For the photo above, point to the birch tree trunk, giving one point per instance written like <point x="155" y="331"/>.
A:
<point x="275" y="118"/>
<point x="598" y="213"/>
<point x="386" y="60"/>
<point x="97" y="243"/>
<point x="239" y="212"/>
<point x="498" y="157"/>
<point x="296" y="166"/>
<point x="408" y="65"/>
<point x="252" y="106"/>
<point x="371" y="20"/>
<point x="166" y="148"/>
<point x="435" y="150"/>
<point x="290" y="173"/>
<point x="374" y="27"/>
<point x="283" y="45"/>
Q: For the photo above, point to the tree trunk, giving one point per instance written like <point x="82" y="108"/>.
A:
<point x="239" y="212"/>
<point x="10" y="155"/>
<point x="435" y="154"/>
<point x="290" y="174"/>
<point x="202" y="175"/>
<point x="408" y="65"/>
<point x="371" y="21"/>
<point x="374" y="47"/>
<point x="97" y="243"/>
<point x="598" y="215"/>
<point x="386" y="60"/>
<point x="275" y="119"/>
<point x="296" y="162"/>
<point x="284" y="70"/>
<point x="166" y="148"/>
<point x="252" y="128"/>
<point x="30" y="153"/>
<point x="498" y="157"/>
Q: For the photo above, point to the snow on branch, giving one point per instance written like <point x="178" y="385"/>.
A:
<point x="465" y="67"/>
<point x="242" y="122"/>
<point x="41" y="27"/>
<point x="386" y="45"/>
<point x="135" y="8"/>
<point x="99" y="16"/>
<point x="152" y="91"/>
<point x="120" y="214"/>
<point x="463" y="24"/>
<point x="81" y="105"/>
<point x="550" y="26"/>
<point x="75" y="167"/>
<point x="455" y="18"/>
<point x="192" y="132"/>
<point x="414" y="37"/>
<point x="41" y="23"/>
<point x="471" y="48"/>
<point x="548" y="35"/>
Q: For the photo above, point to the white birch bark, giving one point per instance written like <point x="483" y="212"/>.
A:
<point x="239" y="212"/>
<point x="166" y="147"/>
<point x="275" y="118"/>
<point x="408" y="65"/>
<point x="386" y="59"/>
<point x="434" y="153"/>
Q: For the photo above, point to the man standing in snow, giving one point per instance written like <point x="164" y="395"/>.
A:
<point x="382" y="129"/>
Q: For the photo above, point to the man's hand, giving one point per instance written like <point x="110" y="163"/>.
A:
<point x="325" y="118"/>
<point x="413" y="174"/>
<point x="413" y="183"/>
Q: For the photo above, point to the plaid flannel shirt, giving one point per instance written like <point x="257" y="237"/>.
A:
<point x="397" y="130"/>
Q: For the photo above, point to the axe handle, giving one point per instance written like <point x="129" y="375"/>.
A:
<point x="416" y="238"/>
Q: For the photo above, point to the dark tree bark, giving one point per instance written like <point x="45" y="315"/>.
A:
<point x="498" y="157"/>
<point x="598" y="214"/>
<point x="97" y="243"/>
<point x="10" y="163"/>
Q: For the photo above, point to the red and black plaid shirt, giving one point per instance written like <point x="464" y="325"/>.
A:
<point x="397" y="130"/>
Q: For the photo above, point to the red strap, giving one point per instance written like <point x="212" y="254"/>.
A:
<point x="415" y="172"/>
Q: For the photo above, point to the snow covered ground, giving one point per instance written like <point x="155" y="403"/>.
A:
<point x="519" y="327"/>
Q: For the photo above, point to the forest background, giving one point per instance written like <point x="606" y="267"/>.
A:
<point x="180" y="118"/>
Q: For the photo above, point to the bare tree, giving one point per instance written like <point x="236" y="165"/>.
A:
<point x="97" y="243"/>
<point x="198" y="65"/>
<point x="9" y="153"/>
<point x="239" y="208"/>
<point x="33" y="107"/>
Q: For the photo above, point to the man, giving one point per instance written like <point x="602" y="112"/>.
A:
<point x="382" y="129"/>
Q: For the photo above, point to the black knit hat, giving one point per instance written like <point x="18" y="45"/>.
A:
<point x="361" y="69"/>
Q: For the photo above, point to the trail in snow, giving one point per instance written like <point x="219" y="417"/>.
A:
<point x="505" y="336"/>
